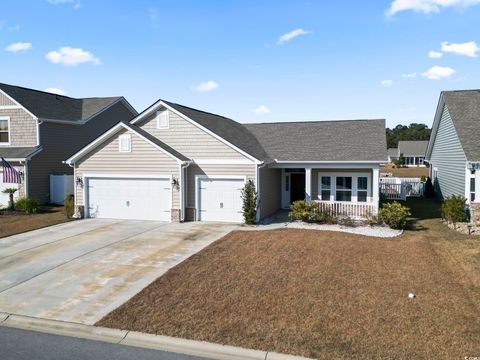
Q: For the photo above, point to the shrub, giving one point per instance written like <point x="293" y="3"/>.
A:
<point x="423" y="178"/>
<point x="304" y="211"/>
<point x="249" y="207"/>
<point x="10" y="192"/>
<point x="453" y="209"/>
<point x="69" y="206"/>
<point x="27" y="205"/>
<point x="394" y="215"/>
<point x="428" y="192"/>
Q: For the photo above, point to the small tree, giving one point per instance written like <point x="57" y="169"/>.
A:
<point x="249" y="198"/>
<point x="10" y="192"/>
<point x="428" y="192"/>
<point x="69" y="206"/>
<point x="400" y="161"/>
<point x="453" y="209"/>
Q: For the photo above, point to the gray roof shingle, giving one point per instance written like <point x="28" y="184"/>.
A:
<point x="392" y="152"/>
<point x="57" y="107"/>
<point x="344" y="140"/>
<point x="413" y="147"/>
<point x="464" y="109"/>
<point x="17" y="152"/>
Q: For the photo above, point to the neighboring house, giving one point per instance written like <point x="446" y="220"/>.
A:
<point x="38" y="130"/>
<point x="413" y="152"/>
<point x="175" y="163"/>
<point x="454" y="148"/>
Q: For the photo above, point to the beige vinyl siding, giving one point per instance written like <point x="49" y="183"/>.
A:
<point x="5" y="101"/>
<point x="448" y="157"/>
<point x="189" y="140"/>
<point x="270" y="191"/>
<point x="23" y="127"/>
<point x="60" y="141"/>
<point x="144" y="159"/>
<point x="247" y="171"/>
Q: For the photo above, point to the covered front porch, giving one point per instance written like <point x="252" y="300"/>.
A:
<point x="345" y="189"/>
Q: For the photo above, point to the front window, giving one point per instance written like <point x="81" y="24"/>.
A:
<point x="4" y="131"/>
<point x="344" y="188"/>
<point x="326" y="188"/>
<point x="472" y="189"/>
<point x="362" y="188"/>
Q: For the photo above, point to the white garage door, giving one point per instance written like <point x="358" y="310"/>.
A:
<point x="5" y="197"/>
<point x="136" y="199"/>
<point x="220" y="199"/>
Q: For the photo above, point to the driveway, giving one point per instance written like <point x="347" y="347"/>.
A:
<point x="82" y="270"/>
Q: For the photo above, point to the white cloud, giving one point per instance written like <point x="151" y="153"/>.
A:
<point x="76" y="3"/>
<point x="261" y="110"/>
<point x="409" y="75"/>
<point x="386" y="83"/>
<point x="466" y="49"/>
<point x="206" y="86"/>
<point x="291" y="35"/>
<point x="427" y="6"/>
<point x="55" y="90"/>
<point x="19" y="46"/>
<point x="72" y="56"/>
<point x="435" y="54"/>
<point x="438" y="72"/>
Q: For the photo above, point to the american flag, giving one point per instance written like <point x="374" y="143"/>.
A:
<point x="10" y="175"/>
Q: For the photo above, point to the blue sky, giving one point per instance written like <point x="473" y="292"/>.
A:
<point x="337" y="60"/>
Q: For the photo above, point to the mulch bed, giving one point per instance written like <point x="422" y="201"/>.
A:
<point x="317" y="294"/>
<point x="16" y="222"/>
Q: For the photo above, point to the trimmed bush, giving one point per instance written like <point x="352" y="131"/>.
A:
<point x="394" y="215"/>
<point x="429" y="192"/>
<point x="249" y="198"/>
<point x="301" y="210"/>
<point x="423" y="178"/>
<point x="27" y="205"/>
<point x="69" y="206"/>
<point x="453" y="209"/>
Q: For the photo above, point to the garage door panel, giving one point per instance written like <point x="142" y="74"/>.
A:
<point x="121" y="198"/>
<point x="220" y="199"/>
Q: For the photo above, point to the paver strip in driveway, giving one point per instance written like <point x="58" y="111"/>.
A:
<point x="80" y="276"/>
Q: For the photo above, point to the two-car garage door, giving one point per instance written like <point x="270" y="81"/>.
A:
<point x="129" y="198"/>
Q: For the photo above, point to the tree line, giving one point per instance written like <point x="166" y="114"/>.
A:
<point x="413" y="131"/>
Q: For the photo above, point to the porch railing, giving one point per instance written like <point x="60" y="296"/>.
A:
<point x="400" y="188"/>
<point x="393" y="191"/>
<point x="342" y="208"/>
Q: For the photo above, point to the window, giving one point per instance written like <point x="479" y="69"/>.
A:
<point x="163" y="118"/>
<point x="421" y="161"/>
<point x="125" y="143"/>
<point x="326" y="187"/>
<point x="472" y="189"/>
<point x="344" y="188"/>
<point x="362" y="188"/>
<point x="4" y="130"/>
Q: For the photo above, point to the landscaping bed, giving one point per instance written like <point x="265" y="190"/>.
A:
<point x="16" y="222"/>
<point x="319" y="294"/>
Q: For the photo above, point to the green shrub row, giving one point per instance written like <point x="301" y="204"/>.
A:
<point x="310" y="212"/>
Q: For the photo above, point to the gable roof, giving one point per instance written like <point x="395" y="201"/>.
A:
<point x="344" y="140"/>
<point x="228" y="129"/>
<point x="392" y="152"/>
<point x="20" y="153"/>
<point x="50" y="106"/>
<point x="464" y="109"/>
<point x="135" y="129"/>
<point x="412" y="147"/>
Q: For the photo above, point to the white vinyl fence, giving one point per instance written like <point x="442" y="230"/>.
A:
<point x="394" y="188"/>
<point x="60" y="186"/>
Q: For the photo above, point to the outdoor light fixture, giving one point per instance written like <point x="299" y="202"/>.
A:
<point x="79" y="181"/>
<point x="22" y="175"/>
<point x="469" y="227"/>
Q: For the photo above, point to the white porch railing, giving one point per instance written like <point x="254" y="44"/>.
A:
<point x="400" y="188"/>
<point x="343" y="208"/>
<point x="393" y="191"/>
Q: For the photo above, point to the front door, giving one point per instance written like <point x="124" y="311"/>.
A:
<point x="297" y="187"/>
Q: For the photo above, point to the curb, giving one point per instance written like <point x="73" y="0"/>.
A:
<point x="138" y="339"/>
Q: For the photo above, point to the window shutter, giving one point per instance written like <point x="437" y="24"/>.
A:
<point x="163" y="119"/>
<point x="125" y="143"/>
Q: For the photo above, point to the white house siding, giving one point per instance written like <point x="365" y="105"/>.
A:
<point x="270" y="191"/>
<point x="449" y="158"/>
<point x="23" y="127"/>
<point x="189" y="139"/>
<point x="144" y="159"/>
<point x="5" y="101"/>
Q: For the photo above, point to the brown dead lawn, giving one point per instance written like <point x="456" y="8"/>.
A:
<point x="322" y="294"/>
<point x="414" y="172"/>
<point x="12" y="223"/>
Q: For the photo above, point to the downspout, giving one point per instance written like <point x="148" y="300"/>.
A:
<point x="25" y="177"/>
<point x="183" y="167"/>
<point x="39" y="122"/>
<point x="74" y="188"/>
<point x="257" y="175"/>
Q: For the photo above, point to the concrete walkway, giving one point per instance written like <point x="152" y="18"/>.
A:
<point x="82" y="270"/>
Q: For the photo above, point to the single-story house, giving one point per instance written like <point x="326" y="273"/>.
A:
<point x="413" y="152"/>
<point x="38" y="130"/>
<point x="175" y="163"/>
<point x="454" y="148"/>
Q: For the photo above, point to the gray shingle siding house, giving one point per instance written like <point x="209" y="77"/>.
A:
<point x="454" y="148"/>
<point x="175" y="163"/>
<point x="38" y="130"/>
<point x="413" y="152"/>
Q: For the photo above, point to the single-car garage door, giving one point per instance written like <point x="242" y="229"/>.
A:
<point x="220" y="199"/>
<point x="125" y="198"/>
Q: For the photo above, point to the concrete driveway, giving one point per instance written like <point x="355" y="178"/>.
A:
<point x="80" y="271"/>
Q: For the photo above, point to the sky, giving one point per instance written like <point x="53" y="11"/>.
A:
<point x="252" y="61"/>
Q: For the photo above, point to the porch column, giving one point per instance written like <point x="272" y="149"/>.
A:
<point x="308" y="184"/>
<point x="376" y="189"/>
